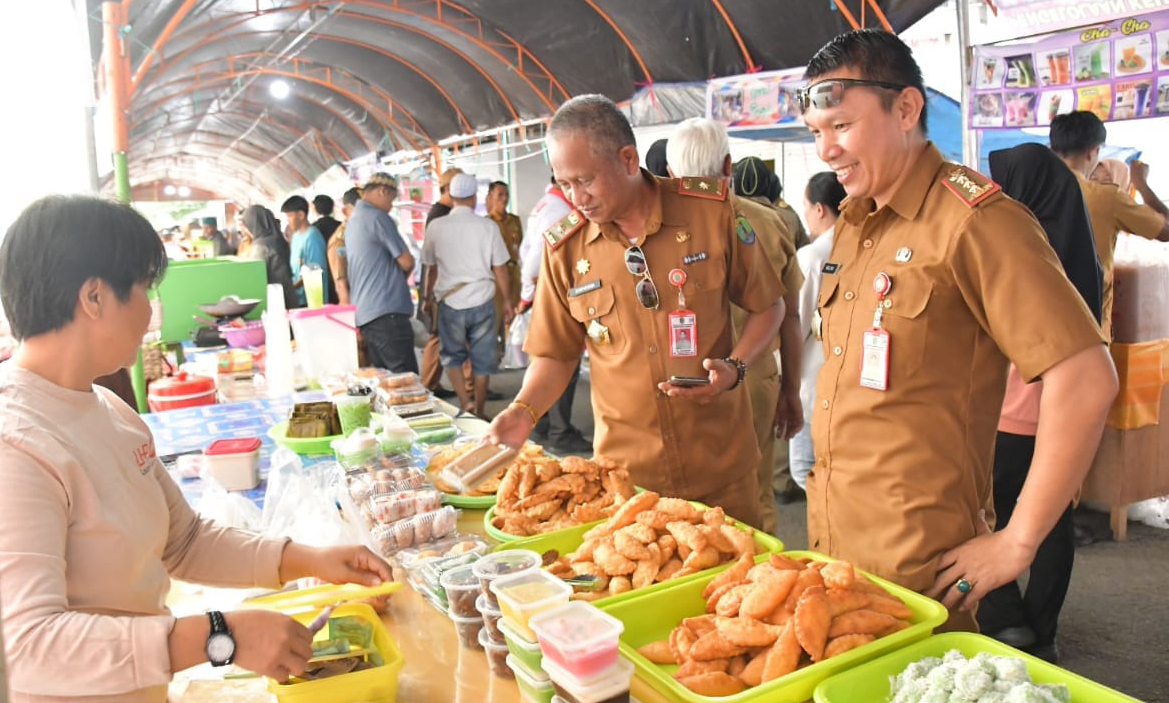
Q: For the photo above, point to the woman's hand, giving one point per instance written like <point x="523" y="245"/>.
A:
<point x="269" y="643"/>
<point x="349" y="563"/>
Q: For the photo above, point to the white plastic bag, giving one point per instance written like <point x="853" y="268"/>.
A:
<point x="301" y="503"/>
<point x="513" y="353"/>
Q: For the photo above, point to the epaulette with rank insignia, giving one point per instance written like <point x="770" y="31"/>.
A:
<point x="702" y="187"/>
<point x="969" y="185"/>
<point x="565" y="228"/>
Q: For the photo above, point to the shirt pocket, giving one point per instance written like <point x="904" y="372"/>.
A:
<point x="599" y="305"/>
<point x="907" y="320"/>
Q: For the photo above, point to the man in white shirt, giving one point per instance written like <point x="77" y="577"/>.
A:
<point x="468" y="259"/>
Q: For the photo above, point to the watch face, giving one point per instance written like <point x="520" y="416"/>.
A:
<point x="220" y="648"/>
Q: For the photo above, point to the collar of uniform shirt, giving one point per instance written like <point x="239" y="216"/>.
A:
<point x="910" y="195"/>
<point x="653" y="222"/>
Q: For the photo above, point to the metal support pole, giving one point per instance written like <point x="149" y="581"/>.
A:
<point x="116" y="64"/>
<point x="969" y="137"/>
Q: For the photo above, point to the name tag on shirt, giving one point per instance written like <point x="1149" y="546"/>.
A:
<point x="584" y="288"/>
<point x="830" y="267"/>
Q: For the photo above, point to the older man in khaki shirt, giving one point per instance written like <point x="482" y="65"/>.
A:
<point x="606" y="282"/>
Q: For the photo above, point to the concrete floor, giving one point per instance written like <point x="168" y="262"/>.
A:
<point x="1114" y="628"/>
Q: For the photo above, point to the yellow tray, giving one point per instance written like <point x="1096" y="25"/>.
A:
<point x="376" y="685"/>
<point x="317" y="597"/>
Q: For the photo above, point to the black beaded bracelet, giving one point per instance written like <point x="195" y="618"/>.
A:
<point x="740" y="367"/>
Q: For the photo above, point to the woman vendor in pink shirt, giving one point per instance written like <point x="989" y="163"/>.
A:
<point x="92" y="528"/>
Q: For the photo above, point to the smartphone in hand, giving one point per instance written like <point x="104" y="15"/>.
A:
<point x="689" y="381"/>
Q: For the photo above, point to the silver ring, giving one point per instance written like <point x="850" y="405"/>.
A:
<point x="963" y="585"/>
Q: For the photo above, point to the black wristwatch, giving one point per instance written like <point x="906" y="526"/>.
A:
<point x="740" y="367"/>
<point x="220" y="644"/>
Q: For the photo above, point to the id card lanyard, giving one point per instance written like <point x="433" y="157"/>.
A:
<point x="683" y="322"/>
<point x="875" y="351"/>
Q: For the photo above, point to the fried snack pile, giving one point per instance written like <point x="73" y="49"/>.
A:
<point x="651" y="539"/>
<point x="766" y="620"/>
<point x="540" y="493"/>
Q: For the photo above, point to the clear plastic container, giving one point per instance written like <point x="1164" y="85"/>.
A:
<point x="354" y="411"/>
<point x="418" y="529"/>
<point x="357" y="449"/>
<point x="526" y="594"/>
<point x="492" y="616"/>
<point x="511" y="561"/>
<point x="468" y="631"/>
<point x="523" y="649"/>
<point x="496" y="655"/>
<point x="579" y="637"/>
<point x="408" y="410"/>
<point x="408" y="394"/>
<point x="462" y="590"/>
<point x="405" y="379"/>
<point x="388" y="507"/>
<point x="611" y="687"/>
<point x="534" y="687"/>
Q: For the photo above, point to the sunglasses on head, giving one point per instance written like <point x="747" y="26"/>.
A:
<point x="830" y="93"/>
<point x="647" y="292"/>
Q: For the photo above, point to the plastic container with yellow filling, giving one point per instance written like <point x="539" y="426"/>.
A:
<point x="525" y="594"/>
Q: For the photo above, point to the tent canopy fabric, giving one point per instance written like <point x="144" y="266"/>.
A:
<point x="387" y="75"/>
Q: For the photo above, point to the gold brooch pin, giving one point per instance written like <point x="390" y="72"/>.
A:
<point x="682" y="236"/>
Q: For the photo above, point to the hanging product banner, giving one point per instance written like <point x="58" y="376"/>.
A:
<point x="1118" y="70"/>
<point x="1038" y="16"/>
<point x="756" y="99"/>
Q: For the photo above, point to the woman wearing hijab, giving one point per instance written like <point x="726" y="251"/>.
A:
<point x="270" y="246"/>
<point x="1036" y="177"/>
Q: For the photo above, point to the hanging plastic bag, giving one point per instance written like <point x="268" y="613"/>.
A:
<point x="301" y="503"/>
<point x="514" y="356"/>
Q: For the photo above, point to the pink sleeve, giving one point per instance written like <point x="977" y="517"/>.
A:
<point x="106" y="654"/>
<point x="203" y="551"/>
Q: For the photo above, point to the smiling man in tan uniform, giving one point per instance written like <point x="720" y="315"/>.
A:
<point x="604" y="265"/>
<point x="903" y="445"/>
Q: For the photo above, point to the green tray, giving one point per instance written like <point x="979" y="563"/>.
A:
<point x="308" y="445"/>
<point x="499" y="535"/>
<point x="650" y="616"/>
<point x="568" y="539"/>
<point x="870" y="682"/>
<point x="470" y="502"/>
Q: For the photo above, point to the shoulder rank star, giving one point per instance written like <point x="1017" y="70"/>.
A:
<point x="582" y="266"/>
<point x="682" y="236"/>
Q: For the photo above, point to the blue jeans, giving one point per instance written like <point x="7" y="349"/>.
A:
<point x="801" y="454"/>
<point x="469" y="331"/>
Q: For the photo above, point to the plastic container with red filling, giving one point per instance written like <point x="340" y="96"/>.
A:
<point x="579" y="637"/>
<point x="611" y="687"/>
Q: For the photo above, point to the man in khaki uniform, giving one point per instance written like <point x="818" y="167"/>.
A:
<point x="1077" y="137"/>
<point x="935" y="280"/>
<point x="699" y="147"/>
<point x="606" y="282"/>
<point x="512" y="231"/>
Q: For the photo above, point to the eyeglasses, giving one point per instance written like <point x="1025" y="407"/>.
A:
<point x="647" y="292"/>
<point x="830" y="93"/>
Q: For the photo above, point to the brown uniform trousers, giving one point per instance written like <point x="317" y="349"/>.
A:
<point x="763" y="376"/>
<point x="901" y="474"/>
<point x="586" y="295"/>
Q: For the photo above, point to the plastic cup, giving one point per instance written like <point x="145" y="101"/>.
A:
<point x="511" y="561"/>
<point x="525" y="594"/>
<point x="354" y="412"/>
<point x="313" y="279"/>
<point x="579" y="637"/>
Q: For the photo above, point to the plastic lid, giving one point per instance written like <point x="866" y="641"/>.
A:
<point x="483" y="605"/>
<point x="517" y="639"/>
<point x="600" y="687"/>
<point x="182" y="384"/>
<point x="509" y="589"/>
<point x="323" y="310"/>
<point x="242" y="445"/>
<point x="532" y="678"/>
<point x="362" y="439"/>
<point x="485" y="641"/>
<point x="320" y="596"/>
<point x="511" y="561"/>
<point x="460" y="577"/>
<point x="576" y="626"/>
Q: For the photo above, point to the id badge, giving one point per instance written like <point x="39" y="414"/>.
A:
<point x="683" y="333"/>
<point x="875" y="360"/>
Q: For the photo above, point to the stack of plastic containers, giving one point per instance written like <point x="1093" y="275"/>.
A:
<point x="489" y="572"/>
<point x="579" y="646"/>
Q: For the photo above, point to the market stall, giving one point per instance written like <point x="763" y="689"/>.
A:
<point x="640" y="594"/>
